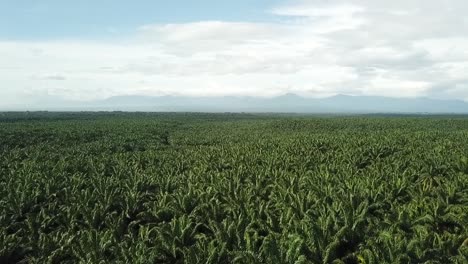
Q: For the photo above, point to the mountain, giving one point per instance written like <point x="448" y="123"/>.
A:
<point x="378" y="104"/>
<point x="288" y="103"/>
<point x="285" y="103"/>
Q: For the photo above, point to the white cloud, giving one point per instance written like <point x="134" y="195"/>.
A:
<point x="393" y="48"/>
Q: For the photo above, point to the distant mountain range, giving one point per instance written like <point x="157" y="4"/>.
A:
<point x="288" y="103"/>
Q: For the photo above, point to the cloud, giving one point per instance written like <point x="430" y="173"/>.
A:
<point x="315" y="48"/>
<point x="51" y="78"/>
<point x="324" y="19"/>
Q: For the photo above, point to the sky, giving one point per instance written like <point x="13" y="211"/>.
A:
<point x="90" y="50"/>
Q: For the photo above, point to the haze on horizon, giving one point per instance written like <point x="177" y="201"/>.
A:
<point x="54" y="50"/>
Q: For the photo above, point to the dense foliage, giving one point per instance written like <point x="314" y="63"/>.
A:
<point x="232" y="188"/>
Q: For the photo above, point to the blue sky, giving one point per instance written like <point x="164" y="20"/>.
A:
<point x="42" y="19"/>
<point x="90" y="50"/>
